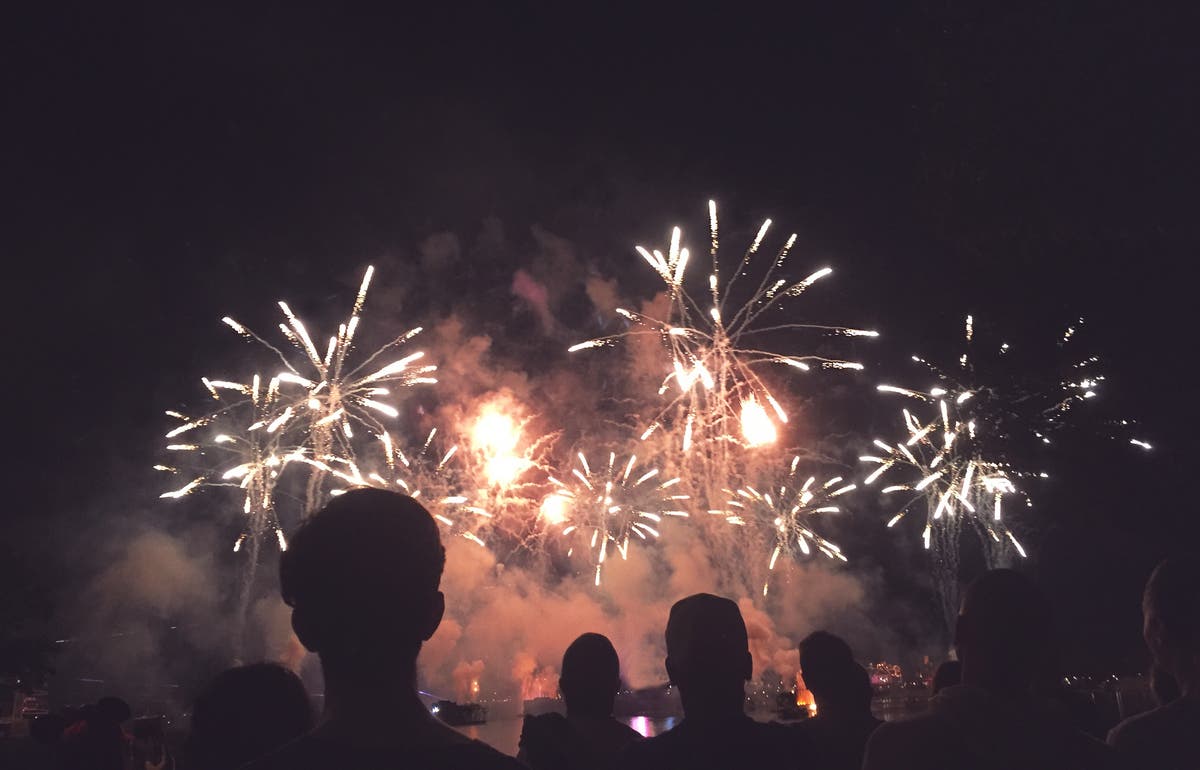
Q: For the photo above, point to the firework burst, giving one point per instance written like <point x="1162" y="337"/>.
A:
<point x="786" y="511"/>
<point x="714" y="361"/>
<point x="983" y="416"/>
<point x="327" y="396"/>
<point x="227" y="448"/>
<point x="434" y="477"/>
<point x="607" y="504"/>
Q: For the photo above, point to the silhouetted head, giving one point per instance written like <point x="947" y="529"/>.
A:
<point x="112" y="709"/>
<point x="1171" y="613"/>
<point x="1004" y="634"/>
<point x="361" y="577"/>
<point x="591" y="676"/>
<point x="823" y="657"/>
<point x="838" y="684"/>
<point x="948" y="674"/>
<point x="708" y="653"/>
<point x="246" y="713"/>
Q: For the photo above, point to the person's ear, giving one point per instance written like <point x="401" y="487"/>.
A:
<point x="748" y="667"/>
<point x="437" y="609"/>
<point x="671" y="677"/>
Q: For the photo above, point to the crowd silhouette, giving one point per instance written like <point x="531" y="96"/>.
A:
<point x="362" y="580"/>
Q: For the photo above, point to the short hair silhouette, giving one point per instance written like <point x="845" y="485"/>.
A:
<point x="1006" y="621"/>
<point x="708" y="655"/>
<point x="590" y="677"/>
<point x="113" y="709"/>
<point x="824" y="661"/>
<point x="1172" y="601"/>
<point x="245" y="713"/>
<point x="362" y="575"/>
<point x="706" y="632"/>
<point x="948" y="674"/>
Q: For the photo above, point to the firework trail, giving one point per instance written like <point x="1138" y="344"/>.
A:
<point x="326" y="396"/>
<point x="605" y="505"/>
<point x="435" y="478"/>
<point x="962" y="447"/>
<point x="228" y="448"/>
<point x="785" y="511"/>
<point x="719" y="400"/>
<point x="949" y="480"/>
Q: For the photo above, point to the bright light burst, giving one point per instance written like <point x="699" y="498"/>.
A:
<point x="949" y="472"/>
<point x="786" y="511"/>
<point x="713" y="361"/>
<point x="327" y="395"/>
<point x="221" y="450"/>
<point x="604" y="506"/>
<point x="435" y="478"/>
<point x="984" y="418"/>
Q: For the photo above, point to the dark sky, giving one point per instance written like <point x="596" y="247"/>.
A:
<point x="1027" y="164"/>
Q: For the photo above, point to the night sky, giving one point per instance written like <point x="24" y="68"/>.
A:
<point x="1030" y="166"/>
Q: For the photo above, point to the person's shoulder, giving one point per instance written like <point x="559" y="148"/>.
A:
<point x="303" y="753"/>
<point x="316" y="753"/>
<point x="1157" y="732"/>
<point x="476" y="755"/>
<point x="1135" y="729"/>
<point x="892" y="744"/>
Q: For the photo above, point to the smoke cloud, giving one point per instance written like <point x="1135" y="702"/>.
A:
<point x="512" y="609"/>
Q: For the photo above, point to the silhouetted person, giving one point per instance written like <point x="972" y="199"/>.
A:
<point x="1166" y="736"/>
<point x="361" y="577"/>
<point x="708" y="659"/>
<point x="842" y="691"/>
<point x="246" y="713"/>
<point x="588" y="737"/>
<point x="992" y="720"/>
<point x="149" y="749"/>
<point x="1164" y="686"/>
<point x="948" y="674"/>
<point x="97" y="741"/>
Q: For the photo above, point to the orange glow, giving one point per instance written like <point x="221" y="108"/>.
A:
<point x="804" y="696"/>
<point x="474" y="689"/>
<point x="496" y="435"/>
<point x="554" y="509"/>
<point x="757" y="427"/>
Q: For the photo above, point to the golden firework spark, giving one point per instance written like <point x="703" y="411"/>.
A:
<point x="607" y="504"/>
<point x="786" y="510"/>
<point x="326" y="395"/>
<point x="712" y="363"/>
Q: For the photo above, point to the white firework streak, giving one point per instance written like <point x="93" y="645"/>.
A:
<point x="786" y="510"/>
<point x="712" y="362"/>
<point x="605" y="505"/>
<point x="325" y="395"/>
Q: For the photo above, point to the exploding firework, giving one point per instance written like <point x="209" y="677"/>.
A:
<point x="606" y="505"/>
<point x="950" y="480"/>
<point x="1025" y="401"/>
<point x="714" y="364"/>
<point x="786" y="511"/>
<point x="436" y="479"/>
<point x="502" y="469"/>
<point x="990" y="414"/>
<point x="228" y="448"/>
<point x="326" y="396"/>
